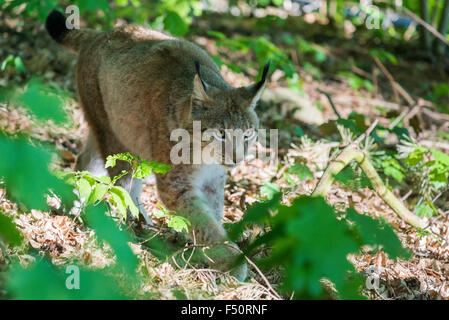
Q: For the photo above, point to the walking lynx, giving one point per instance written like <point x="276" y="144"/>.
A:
<point x="136" y="86"/>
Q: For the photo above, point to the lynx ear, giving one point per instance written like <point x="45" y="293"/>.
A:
<point x="199" y="86"/>
<point x="256" y="89"/>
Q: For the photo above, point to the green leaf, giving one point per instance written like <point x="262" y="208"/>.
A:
<point x="377" y="233"/>
<point x="311" y="243"/>
<point x="302" y="171"/>
<point x="45" y="103"/>
<point x="174" y="24"/>
<point x="440" y="157"/>
<point x="24" y="169"/>
<point x="88" y="5"/>
<point x="98" y="193"/>
<point x="424" y="210"/>
<point x="126" y="201"/>
<point x="352" y="179"/>
<point x="118" y="201"/>
<point x="269" y="190"/>
<point x="393" y="168"/>
<point x="121" y="3"/>
<point x="159" y="167"/>
<point x="416" y="156"/>
<point x="107" y="230"/>
<point x="9" y="232"/>
<point x="43" y="281"/>
<point x="84" y="188"/>
<point x="18" y="64"/>
<point x="178" y="223"/>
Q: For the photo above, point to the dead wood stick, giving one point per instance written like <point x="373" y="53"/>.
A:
<point x="353" y="152"/>
<point x="427" y="26"/>
<point x="397" y="88"/>
<point x="329" y="98"/>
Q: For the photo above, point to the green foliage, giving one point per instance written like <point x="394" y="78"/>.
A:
<point x="355" y="82"/>
<point x="391" y="167"/>
<point x="384" y="56"/>
<point x="24" y="170"/>
<point x="426" y="210"/>
<point x="9" y="232"/>
<point x="15" y="62"/>
<point x="178" y="223"/>
<point x="93" y="189"/>
<point x="269" y="190"/>
<point x="310" y="243"/>
<point x="42" y="101"/>
<point x="175" y="24"/>
<point x="301" y="171"/>
<point x="435" y="161"/>
<point x="353" y="179"/>
<point x="43" y="281"/>
<point x="263" y="50"/>
<point x="140" y="168"/>
<point x="374" y="232"/>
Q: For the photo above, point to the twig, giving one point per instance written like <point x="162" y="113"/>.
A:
<point x="258" y="271"/>
<point x="397" y="88"/>
<point x="329" y="97"/>
<point x="427" y="26"/>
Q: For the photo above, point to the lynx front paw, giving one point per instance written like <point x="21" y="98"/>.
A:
<point x="225" y="258"/>
<point x="240" y="272"/>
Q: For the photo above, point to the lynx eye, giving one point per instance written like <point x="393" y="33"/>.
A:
<point x="219" y="134"/>
<point x="249" y="134"/>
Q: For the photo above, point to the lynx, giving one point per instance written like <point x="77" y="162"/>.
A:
<point x="137" y="85"/>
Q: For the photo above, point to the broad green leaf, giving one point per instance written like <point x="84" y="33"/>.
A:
<point x="24" y="169"/>
<point x="9" y="232"/>
<point x="84" y="188"/>
<point x="416" y="156"/>
<point x="302" y="171"/>
<point x="98" y="193"/>
<point x="123" y="200"/>
<point x="424" y="210"/>
<point x="174" y="24"/>
<point x="43" y="102"/>
<point x="44" y="281"/>
<point x="377" y="232"/>
<point x="118" y="201"/>
<point x="178" y="223"/>
<point x="440" y="157"/>
<point x="107" y="230"/>
<point x="269" y="190"/>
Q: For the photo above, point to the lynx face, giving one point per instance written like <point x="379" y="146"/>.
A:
<point x="228" y="122"/>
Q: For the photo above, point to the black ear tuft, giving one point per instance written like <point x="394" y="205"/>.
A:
<point x="197" y="68"/>
<point x="55" y="25"/>
<point x="264" y="75"/>
<point x="265" y="71"/>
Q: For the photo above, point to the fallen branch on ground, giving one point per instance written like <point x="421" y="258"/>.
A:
<point x="353" y="152"/>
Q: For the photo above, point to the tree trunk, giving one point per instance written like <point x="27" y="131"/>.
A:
<point x="444" y="23"/>
<point x="424" y="33"/>
<point x="435" y="10"/>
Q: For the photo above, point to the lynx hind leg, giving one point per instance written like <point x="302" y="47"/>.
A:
<point x="91" y="158"/>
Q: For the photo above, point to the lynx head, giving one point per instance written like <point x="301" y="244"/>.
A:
<point x="228" y="119"/>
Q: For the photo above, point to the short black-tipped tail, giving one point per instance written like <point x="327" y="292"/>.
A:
<point x="56" y="26"/>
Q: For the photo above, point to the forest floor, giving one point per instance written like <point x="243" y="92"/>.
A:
<point x="63" y="238"/>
